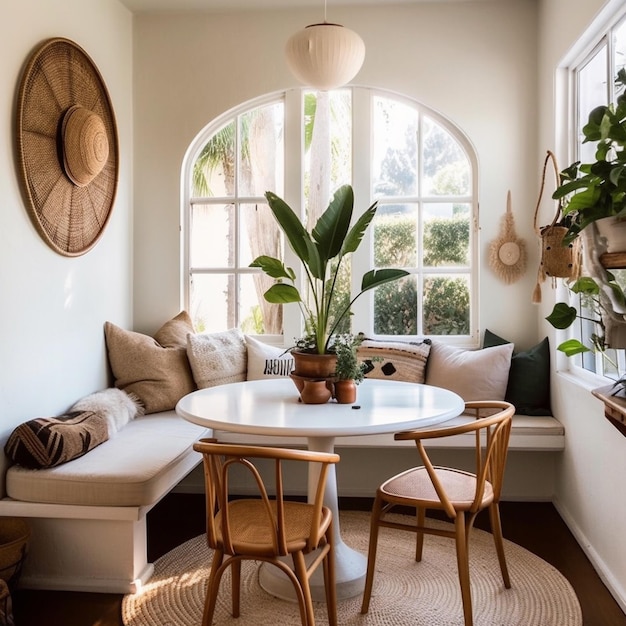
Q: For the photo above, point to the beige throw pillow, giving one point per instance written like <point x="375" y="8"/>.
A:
<point x="217" y="358"/>
<point x="155" y="369"/>
<point x="473" y="374"/>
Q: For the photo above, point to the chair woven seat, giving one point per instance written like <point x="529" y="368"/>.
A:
<point x="415" y="486"/>
<point x="252" y="533"/>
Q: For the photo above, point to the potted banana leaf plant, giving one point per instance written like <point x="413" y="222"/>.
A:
<point x="321" y="252"/>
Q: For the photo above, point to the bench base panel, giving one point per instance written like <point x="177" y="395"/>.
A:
<point x="83" y="553"/>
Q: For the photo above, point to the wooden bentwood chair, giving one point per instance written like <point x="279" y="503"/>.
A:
<point x="460" y="494"/>
<point x="266" y="528"/>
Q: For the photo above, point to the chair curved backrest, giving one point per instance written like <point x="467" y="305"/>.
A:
<point x="220" y="459"/>
<point x="266" y="527"/>
<point x="490" y="421"/>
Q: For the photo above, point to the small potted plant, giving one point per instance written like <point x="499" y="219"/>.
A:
<point x="349" y="371"/>
<point x="321" y="252"/>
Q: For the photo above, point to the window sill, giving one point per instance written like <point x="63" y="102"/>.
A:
<point x="614" y="406"/>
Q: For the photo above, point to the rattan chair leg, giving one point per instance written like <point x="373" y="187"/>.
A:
<point x="420" y="513"/>
<point x="371" y="553"/>
<point x="496" y="529"/>
<point x="303" y="578"/>
<point x="212" y="588"/>
<point x="329" y="578"/>
<point x="236" y="586"/>
<point x="462" y="559"/>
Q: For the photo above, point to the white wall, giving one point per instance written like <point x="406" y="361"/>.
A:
<point x="473" y="62"/>
<point x="589" y="493"/>
<point x="52" y="307"/>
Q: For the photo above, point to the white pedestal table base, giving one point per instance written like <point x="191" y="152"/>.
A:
<point x="350" y="565"/>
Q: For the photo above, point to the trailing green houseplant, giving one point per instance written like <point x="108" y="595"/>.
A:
<point x="563" y="315"/>
<point x="593" y="191"/>
<point x="590" y="192"/>
<point x="321" y="252"/>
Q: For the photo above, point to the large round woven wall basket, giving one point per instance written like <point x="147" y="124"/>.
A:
<point x="68" y="146"/>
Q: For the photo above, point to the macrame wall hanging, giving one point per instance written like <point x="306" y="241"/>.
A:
<point x="557" y="260"/>
<point x="507" y="252"/>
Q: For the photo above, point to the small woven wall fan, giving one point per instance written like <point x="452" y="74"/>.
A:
<point x="507" y="252"/>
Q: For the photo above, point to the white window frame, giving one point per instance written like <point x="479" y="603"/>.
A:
<point x="594" y="46"/>
<point x="362" y="99"/>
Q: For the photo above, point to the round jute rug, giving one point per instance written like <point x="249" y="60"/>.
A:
<point x="405" y="592"/>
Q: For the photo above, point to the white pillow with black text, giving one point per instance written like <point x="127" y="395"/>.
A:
<point x="265" y="361"/>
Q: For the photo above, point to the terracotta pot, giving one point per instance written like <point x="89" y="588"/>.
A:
<point x="315" y="392"/>
<point x="311" y="365"/>
<point x="345" y="391"/>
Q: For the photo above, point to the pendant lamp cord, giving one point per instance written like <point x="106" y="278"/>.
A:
<point x="325" y="20"/>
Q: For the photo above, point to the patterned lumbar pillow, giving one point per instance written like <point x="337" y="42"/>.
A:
<point x="115" y="405"/>
<point x="395" y="360"/>
<point x="217" y="358"/>
<point x="49" y="441"/>
<point x="265" y="361"/>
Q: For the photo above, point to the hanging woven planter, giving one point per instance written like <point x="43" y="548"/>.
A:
<point x="557" y="260"/>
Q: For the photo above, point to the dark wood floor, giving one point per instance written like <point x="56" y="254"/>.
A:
<point x="536" y="526"/>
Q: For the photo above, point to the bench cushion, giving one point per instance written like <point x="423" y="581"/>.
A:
<point x="131" y="469"/>
<point x="528" y="433"/>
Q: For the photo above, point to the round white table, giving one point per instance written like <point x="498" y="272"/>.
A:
<point x="272" y="407"/>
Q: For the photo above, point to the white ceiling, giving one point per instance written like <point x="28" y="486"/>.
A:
<point x="220" y="5"/>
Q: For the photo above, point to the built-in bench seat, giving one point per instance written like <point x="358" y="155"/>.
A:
<point x="88" y="516"/>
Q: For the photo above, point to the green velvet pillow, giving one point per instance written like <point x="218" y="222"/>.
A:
<point x="529" y="377"/>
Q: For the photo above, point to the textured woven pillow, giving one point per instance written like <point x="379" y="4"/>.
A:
<point x="395" y="360"/>
<point x="217" y="358"/>
<point x="265" y="361"/>
<point x="155" y="369"/>
<point x="473" y="374"/>
<point x="49" y="441"/>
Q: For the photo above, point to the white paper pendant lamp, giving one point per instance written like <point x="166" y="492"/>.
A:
<point x="325" y="56"/>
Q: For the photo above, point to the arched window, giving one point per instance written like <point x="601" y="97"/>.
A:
<point x="302" y="145"/>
